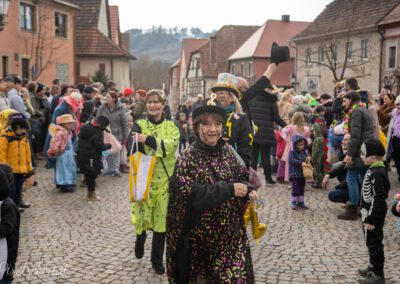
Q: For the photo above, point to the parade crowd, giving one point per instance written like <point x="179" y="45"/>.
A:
<point x="206" y="157"/>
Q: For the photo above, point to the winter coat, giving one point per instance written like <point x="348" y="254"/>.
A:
<point x="117" y="118"/>
<point x="297" y="158"/>
<point x="90" y="148"/>
<point x="58" y="142"/>
<point x="16" y="152"/>
<point x="328" y="113"/>
<point x="318" y="148"/>
<point x="395" y="117"/>
<point x="384" y="116"/>
<point x="163" y="140"/>
<point x="264" y="112"/>
<point x="361" y="129"/>
<point x="373" y="112"/>
<point x="184" y="133"/>
<point x="9" y="229"/>
<point x="288" y="133"/>
<point x="17" y="103"/>
<point x="138" y="110"/>
<point x="4" y="102"/>
<point x="203" y="211"/>
<point x="374" y="193"/>
<point x="338" y="108"/>
<point x="89" y="109"/>
<point x="237" y="129"/>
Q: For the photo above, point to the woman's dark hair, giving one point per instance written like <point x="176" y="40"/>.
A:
<point x="391" y="96"/>
<point x="202" y="118"/>
<point x="32" y="86"/>
<point x="325" y="97"/>
<point x="353" y="84"/>
<point x="64" y="89"/>
<point x="354" y="97"/>
<point x="114" y="95"/>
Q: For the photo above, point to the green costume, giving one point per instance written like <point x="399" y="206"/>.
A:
<point x="318" y="154"/>
<point x="152" y="214"/>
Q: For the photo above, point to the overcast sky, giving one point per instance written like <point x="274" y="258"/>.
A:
<point x="212" y="14"/>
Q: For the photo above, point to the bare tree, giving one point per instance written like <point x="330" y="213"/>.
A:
<point x="41" y="43"/>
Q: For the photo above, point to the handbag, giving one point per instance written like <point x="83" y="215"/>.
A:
<point x="308" y="169"/>
<point x="115" y="144"/>
<point x="141" y="169"/>
<point x="254" y="179"/>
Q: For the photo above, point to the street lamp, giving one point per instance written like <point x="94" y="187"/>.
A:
<point x="3" y="12"/>
<point x="293" y="80"/>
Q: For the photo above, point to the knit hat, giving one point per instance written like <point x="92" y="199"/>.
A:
<point x="102" y="122"/>
<point x="128" y="92"/>
<point x="227" y="82"/>
<point x="64" y="119"/>
<point x="298" y="99"/>
<point x="75" y="101"/>
<point x="374" y="148"/>
<point x="18" y="120"/>
<point x="397" y="101"/>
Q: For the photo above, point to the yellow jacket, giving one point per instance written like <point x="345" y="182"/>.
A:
<point x="16" y="152"/>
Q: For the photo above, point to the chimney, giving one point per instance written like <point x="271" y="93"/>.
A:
<point x="286" y="18"/>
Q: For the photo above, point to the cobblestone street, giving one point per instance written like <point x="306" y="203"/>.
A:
<point x="93" y="243"/>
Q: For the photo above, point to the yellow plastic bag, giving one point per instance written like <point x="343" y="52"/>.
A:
<point x="383" y="138"/>
<point x="140" y="174"/>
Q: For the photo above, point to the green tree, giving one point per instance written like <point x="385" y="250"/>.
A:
<point x="99" y="76"/>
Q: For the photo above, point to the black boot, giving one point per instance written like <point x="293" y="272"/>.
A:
<point x="350" y="213"/>
<point x="139" y="245"/>
<point x="157" y="252"/>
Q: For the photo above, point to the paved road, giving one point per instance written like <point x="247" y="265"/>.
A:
<point x="64" y="239"/>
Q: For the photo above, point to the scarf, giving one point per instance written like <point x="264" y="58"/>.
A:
<point x="230" y="108"/>
<point x="348" y="116"/>
<point x="396" y="123"/>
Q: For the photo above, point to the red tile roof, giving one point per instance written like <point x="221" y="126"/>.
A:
<point x="89" y="41"/>
<point x="92" y="42"/>
<point x="191" y="44"/>
<point x="345" y="15"/>
<point x="215" y="53"/>
<point x="114" y="24"/>
<point x="259" y="44"/>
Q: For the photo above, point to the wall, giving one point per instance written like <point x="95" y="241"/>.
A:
<point x="321" y="78"/>
<point x="17" y="44"/>
<point x="120" y="69"/>
<point x="392" y="38"/>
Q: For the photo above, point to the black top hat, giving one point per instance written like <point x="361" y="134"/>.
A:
<point x="210" y="107"/>
<point x="279" y="53"/>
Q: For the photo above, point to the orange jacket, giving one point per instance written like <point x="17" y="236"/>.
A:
<point x="16" y="152"/>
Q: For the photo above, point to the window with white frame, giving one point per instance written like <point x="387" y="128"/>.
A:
<point x="243" y="69"/>
<point x="27" y="17"/>
<point x="321" y="54"/>
<point x="233" y="68"/>
<point x="364" y="49"/>
<point x="60" y="24"/>
<point x="308" y="56"/>
<point x="250" y="71"/>
<point x="391" y="55"/>
<point x="349" y="51"/>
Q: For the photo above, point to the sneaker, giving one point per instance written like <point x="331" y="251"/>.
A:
<point x="158" y="268"/>
<point x="117" y="174"/>
<point x="303" y="207"/>
<point x="294" y="206"/>
<point x="350" y="213"/>
<point x="372" y="278"/>
<point x="364" y="272"/>
<point x="23" y="205"/>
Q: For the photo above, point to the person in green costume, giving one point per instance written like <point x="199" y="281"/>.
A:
<point x="155" y="133"/>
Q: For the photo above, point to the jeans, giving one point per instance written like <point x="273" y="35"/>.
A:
<point x="339" y="196"/>
<point x="354" y="180"/>
<point x="113" y="161"/>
